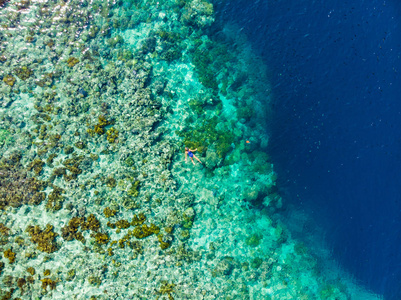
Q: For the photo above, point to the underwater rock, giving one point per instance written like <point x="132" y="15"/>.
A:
<point x="82" y="92"/>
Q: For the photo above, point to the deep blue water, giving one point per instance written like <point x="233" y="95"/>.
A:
<point x="336" y="133"/>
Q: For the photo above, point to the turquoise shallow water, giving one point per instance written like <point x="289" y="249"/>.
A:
<point x="98" y="201"/>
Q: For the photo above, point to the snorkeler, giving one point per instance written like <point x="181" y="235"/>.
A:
<point x="189" y="152"/>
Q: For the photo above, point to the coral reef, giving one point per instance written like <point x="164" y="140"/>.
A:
<point x="112" y="135"/>
<point x="138" y="219"/>
<point x="254" y="240"/>
<point x="9" y="79"/>
<point x="167" y="289"/>
<point x="134" y="189"/>
<point x="36" y="165"/>
<point x="16" y="188"/>
<point x="207" y="134"/>
<point x="99" y="127"/>
<point x="72" y="61"/>
<point x="23" y="72"/>
<point x="44" y="239"/>
<point x="101" y="238"/>
<point x="108" y="94"/>
<point x="143" y="231"/>
<point x="55" y="199"/>
<point x="10" y="255"/>
<point x="4" y="230"/>
<point x="20" y="283"/>
<point x="47" y="282"/>
<point x="31" y="270"/>
<point x="70" y="232"/>
<point x="108" y="212"/>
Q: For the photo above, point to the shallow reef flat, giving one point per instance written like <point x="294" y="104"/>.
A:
<point x="98" y="100"/>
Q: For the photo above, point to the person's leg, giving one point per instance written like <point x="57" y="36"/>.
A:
<point x="193" y="160"/>
<point x="197" y="159"/>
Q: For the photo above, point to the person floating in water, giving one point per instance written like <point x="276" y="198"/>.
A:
<point x="189" y="152"/>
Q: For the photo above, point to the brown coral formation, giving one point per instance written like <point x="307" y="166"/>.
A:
<point x="16" y="188"/>
<point x="10" y="255"/>
<point x="91" y="223"/>
<point x="72" y="61"/>
<point x="138" y="219"/>
<point x="70" y="232"/>
<point x="101" y="238"/>
<point x="99" y="128"/>
<point x="143" y="231"/>
<point x="36" y="165"/>
<point x="5" y="231"/>
<point x="31" y="270"/>
<point x="55" y="199"/>
<point x="20" y="283"/>
<point x="9" y="79"/>
<point x="23" y="72"/>
<point x="108" y="212"/>
<point x="45" y="240"/>
<point x="47" y="282"/>
<point x="72" y="165"/>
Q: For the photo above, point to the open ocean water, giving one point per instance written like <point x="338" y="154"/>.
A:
<point x="335" y="71"/>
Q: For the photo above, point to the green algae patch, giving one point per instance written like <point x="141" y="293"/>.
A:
<point x="331" y="291"/>
<point x="134" y="189"/>
<point x="5" y="137"/>
<point x="256" y="262"/>
<point x="254" y="240"/>
<point x="209" y="62"/>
